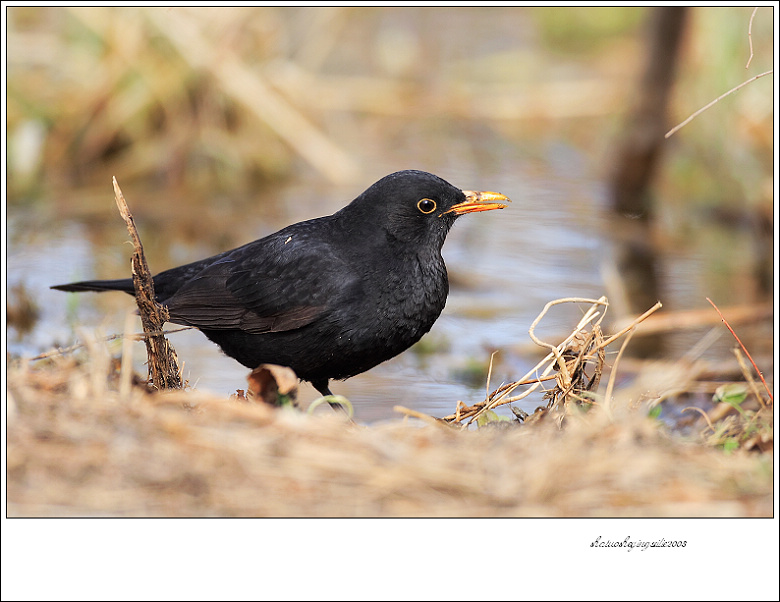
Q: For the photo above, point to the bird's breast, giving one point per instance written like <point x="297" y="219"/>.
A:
<point x="402" y="300"/>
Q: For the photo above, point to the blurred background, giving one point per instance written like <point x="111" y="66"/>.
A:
<point x="222" y="125"/>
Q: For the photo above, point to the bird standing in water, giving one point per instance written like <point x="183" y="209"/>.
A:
<point x="329" y="297"/>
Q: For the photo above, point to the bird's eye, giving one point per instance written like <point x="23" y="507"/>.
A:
<point x="426" y="205"/>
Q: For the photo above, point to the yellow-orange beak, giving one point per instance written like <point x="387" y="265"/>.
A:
<point x="479" y="201"/>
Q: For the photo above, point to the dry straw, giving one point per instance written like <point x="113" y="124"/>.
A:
<point x="78" y="449"/>
<point x="578" y="361"/>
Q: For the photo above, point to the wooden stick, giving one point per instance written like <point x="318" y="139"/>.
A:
<point x="163" y="364"/>
<point x="687" y="319"/>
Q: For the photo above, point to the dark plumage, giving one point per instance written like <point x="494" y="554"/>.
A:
<point x="329" y="297"/>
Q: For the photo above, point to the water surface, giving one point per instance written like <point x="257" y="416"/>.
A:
<point x="555" y="240"/>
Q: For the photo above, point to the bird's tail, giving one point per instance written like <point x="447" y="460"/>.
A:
<point x="123" y="284"/>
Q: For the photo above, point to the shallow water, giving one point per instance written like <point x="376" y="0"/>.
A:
<point x="555" y="240"/>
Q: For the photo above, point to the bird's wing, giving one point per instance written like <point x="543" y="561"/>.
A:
<point x="275" y="284"/>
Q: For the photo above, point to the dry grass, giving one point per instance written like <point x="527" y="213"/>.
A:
<point x="76" y="447"/>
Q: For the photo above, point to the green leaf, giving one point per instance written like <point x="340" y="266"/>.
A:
<point x="285" y="400"/>
<point x="730" y="444"/>
<point x="733" y="394"/>
<point x="490" y="416"/>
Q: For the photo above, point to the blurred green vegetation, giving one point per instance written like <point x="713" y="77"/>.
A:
<point x="588" y="30"/>
<point x="222" y="99"/>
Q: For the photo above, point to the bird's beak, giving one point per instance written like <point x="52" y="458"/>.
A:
<point x="479" y="201"/>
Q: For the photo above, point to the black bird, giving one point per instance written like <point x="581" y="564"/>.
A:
<point x="329" y="297"/>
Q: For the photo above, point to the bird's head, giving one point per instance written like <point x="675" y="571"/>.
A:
<point x="417" y="207"/>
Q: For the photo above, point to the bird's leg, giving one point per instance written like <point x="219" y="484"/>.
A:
<point x="322" y="387"/>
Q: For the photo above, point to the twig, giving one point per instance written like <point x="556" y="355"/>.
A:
<point x="747" y="353"/>
<point x="641" y="318"/>
<point x="697" y="113"/>
<point x="750" y="36"/>
<point x="703" y="413"/>
<point x="613" y="373"/>
<point x="138" y="336"/>
<point x="502" y="395"/>
<point x="748" y="377"/>
<point x="126" y="368"/>
<point x="521" y="383"/>
<point x="462" y="411"/>
<point x="71" y="349"/>
<point x="555" y="352"/>
<point x="424" y="417"/>
<point x="489" y="374"/>
<point x="162" y="362"/>
<point x="687" y="319"/>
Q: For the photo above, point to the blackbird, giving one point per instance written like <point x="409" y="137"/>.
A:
<point x="329" y="297"/>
